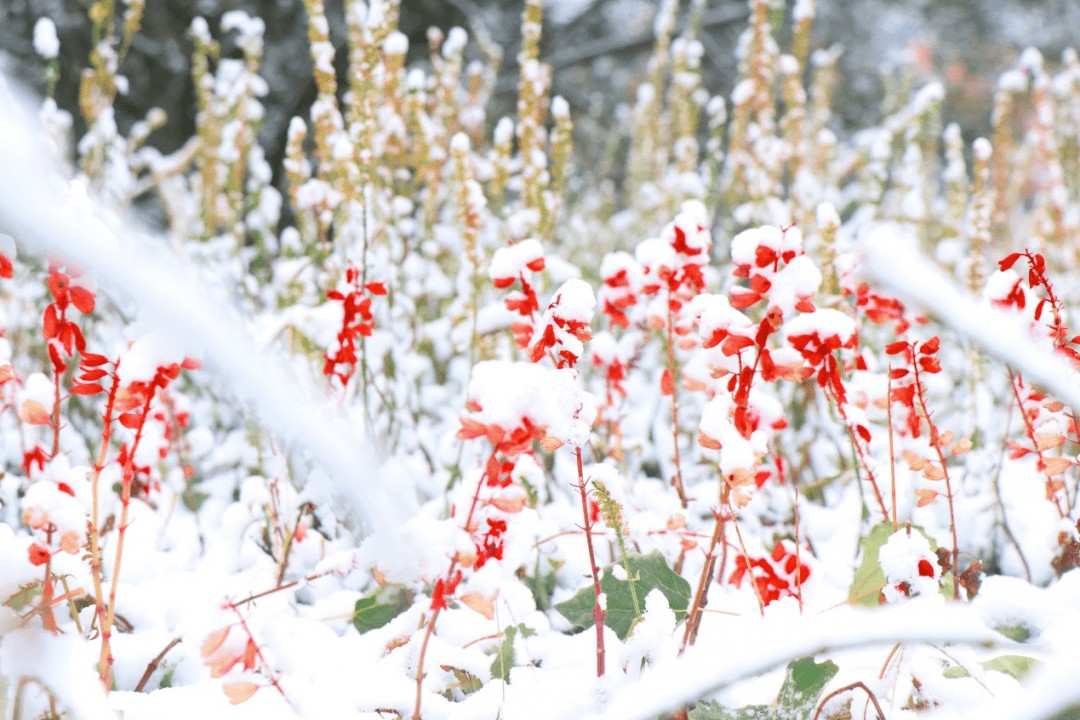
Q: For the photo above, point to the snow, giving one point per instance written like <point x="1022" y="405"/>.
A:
<point x="269" y="496"/>
<point x="46" y="44"/>
<point x="509" y="393"/>
<point x="396" y="43"/>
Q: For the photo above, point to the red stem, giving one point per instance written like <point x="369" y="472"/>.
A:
<point x="672" y="368"/>
<point x="948" y="485"/>
<point x="599" y="613"/>
<point x="429" y="627"/>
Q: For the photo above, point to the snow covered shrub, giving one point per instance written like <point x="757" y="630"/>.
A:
<point x="481" y="434"/>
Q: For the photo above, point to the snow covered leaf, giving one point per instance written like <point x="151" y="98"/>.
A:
<point x="504" y="656"/>
<point x="803" y="684"/>
<point x="380" y="607"/>
<point x="869" y="578"/>
<point x="1016" y="665"/>
<point x="648" y="572"/>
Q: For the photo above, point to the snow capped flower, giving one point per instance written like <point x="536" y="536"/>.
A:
<point x="565" y="325"/>
<point x="514" y="403"/>
<point x="910" y="566"/>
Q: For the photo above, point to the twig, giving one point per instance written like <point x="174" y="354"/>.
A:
<point x="154" y="664"/>
<point x="852" y="686"/>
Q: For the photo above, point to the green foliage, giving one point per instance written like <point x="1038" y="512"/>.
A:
<point x="1016" y="665"/>
<point x="1018" y="632"/>
<point x="504" y="656"/>
<point x="468" y="682"/>
<point x="380" y="607"/>
<point x="869" y="578"/>
<point x="542" y="585"/>
<point x="649" y="572"/>
<point x="803" y="685"/>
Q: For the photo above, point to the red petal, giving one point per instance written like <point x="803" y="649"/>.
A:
<point x="1009" y="261"/>
<point x="86" y="389"/>
<point x="93" y="360"/>
<point x="51" y="323"/>
<point x="130" y="420"/>
<point x="82" y="299"/>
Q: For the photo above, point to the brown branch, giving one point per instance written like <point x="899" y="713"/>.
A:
<point x="852" y="686"/>
<point x="154" y="664"/>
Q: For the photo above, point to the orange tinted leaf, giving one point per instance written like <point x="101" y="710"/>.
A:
<point x="213" y="642"/>
<point x="933" y="472"/>
<point x="470" y="429"/>
<point x="707" y="442"/>
<point x="1048" y="441"/>
<point x="551" y="443"/>
<point x="667" y="383"/>
<point x="7" y="372"/>
<point x="914" y="461"/>
<point x="962" y="446"/>
<point x="926" y="496"/>
<point x="483" y="605"/>
<point x="1056" y="466"/>
<point x="239" y="692"/>
<point x="34" y="413"/>
<point x="509" y="505"/>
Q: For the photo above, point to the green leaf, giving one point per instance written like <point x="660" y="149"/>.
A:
<point x="542" y="585"/>
<point x="1016" y="665"/>
<point x="380" y="607"/>
<point x="504" y="656"/>
<point x="803" y="684"/>
<point x="869" y="578"/>
<point x="1018" y="632"/>
<point x="649" y="572"/>
<point x="468" y="682"/>
<point x="192" y="498"/>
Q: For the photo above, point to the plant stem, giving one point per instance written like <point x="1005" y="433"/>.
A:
<point x="673" y="368"/>
<point x="121" y="530"/>
<point x="93" y="534"/>
<point x="701" y="597"/>
<point x="429" y="626"/>
<point x="599" y="613"/>
<point x="892" y="454"/>
<point x="948" y="484"/>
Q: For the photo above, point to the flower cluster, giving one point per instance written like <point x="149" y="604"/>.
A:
<point x="517" y="263"/>
<point x="776" y="576"/>
<point x="357" y="321"/>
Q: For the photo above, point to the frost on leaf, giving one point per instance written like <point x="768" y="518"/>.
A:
<point x="803" y="685"/>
